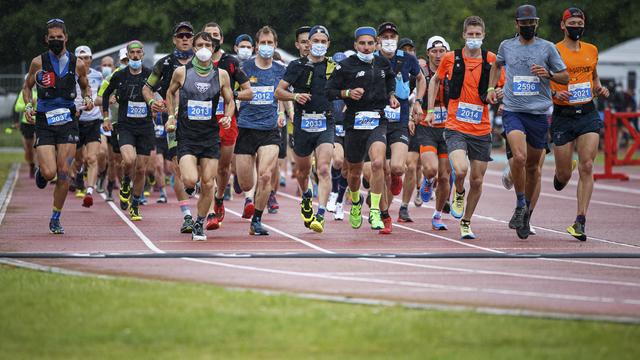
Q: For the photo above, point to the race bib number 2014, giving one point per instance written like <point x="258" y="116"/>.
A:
<point x="470" y="113"/>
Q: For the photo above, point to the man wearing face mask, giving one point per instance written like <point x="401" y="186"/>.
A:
<point x="467" y="130"/>
<point x="531" y="64"/>
<point x="159" y="82"/>
<point x="243" y="47"/>
<point x="55" y="73"/>
<point x="313" y="122"/>
<point x="197" y="91"/>
<point x="259" y="123"/>
<point x="366" y="82"/>
<point x="576" y="122"/>
<point x="136" y="135"/>
<point x="241" y="91"/>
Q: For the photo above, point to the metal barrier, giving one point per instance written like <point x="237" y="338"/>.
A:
<point x="611" y="159"/>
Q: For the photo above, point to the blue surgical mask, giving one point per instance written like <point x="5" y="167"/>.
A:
<point x="266" y="51"/>
<point x="318" y="49"/>
<point x="365" y="57"/>
<point x="106" y="71"/>
<point x="473" y="44"/>
<point x="135" y="64"/>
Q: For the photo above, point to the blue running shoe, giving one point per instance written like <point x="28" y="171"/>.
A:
<point x="426" y="190"/>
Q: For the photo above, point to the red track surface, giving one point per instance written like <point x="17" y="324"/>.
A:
<point x="609" y="287"/>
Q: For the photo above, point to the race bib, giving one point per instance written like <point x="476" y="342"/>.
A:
<point x="340" y="131"/>
<point x="136" y="109"/>
<point x="440" y="115"/>
<point x="262" y="95"/>
<point x="58" y="116"/>
<point x="313" y="123"/>
<point x="580" y="93"/>
<point x="366" y="120"/>
<point x="220" y="108"/>
<point x="159" y="130"/>
<point x="526" y="85"/>
<point x="393" y="115"/>
<point x="470" y="113"/>
<point x="199" y="110"/>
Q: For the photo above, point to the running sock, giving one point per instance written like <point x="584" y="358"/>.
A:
<point x="55" y="214"/>
<point x="375" y="201"/>
<point x="335" y="179"/>
<point x="385" y="214"/>
<point x="90" y="190"/>
<point x="136" y="201"/>
<point x="355" y="196"/>
<point x="110" y="185"/>
<point x="437" y="214"/>
<point x="190" y="191"/>
<point x="257" y="215"/>
<point x="582" y="219"/>
<point x="520" y="200"/>
<point x="184" y="207"/>
<point x="342" y="187"/>
<point x="200" y="219"/>
<point x="321" y="210"/>
<point x="307" y="194"/>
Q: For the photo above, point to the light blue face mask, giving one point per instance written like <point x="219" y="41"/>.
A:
<point x="135" y="64"/>
<point x="106" y="71"/>
<point x="318" y="49"/>
<point x="365" y="57"/>
<point x="266" y="51"/>
<point x="474" y="44"/>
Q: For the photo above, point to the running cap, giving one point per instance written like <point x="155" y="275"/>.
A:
<point x="387" y="26"/>
<point x="404" y="42"/>
<point x="244" y="37"/>
<point x="302" y="30"/>
<point x="83" y="50"/>
<point x="123" y="54"/>
<point x="365" y="30"/>
<point x="527" y="12"/>
<point x="573" y="12"/>
<point x="437" y="41"/>
<point x="182" y="24"/>
<point x="319" y="29"/>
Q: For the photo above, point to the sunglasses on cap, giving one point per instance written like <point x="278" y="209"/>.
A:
<point x="56" y="20"/>
<point x="184" y="35"/>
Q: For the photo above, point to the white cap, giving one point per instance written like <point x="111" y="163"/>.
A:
<point x="123" y="54"/>
<point x="434" y="40"/>
<point x="83" y="50"/>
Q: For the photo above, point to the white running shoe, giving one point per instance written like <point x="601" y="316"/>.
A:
<point x="339" y="213"/>
<point x="532" y="231"/>
<point x="417" y="200"/>
<point x="331" y="205"/>
<point x="507" y="182"/>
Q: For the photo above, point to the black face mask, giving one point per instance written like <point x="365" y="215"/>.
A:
<point x="56" y="46"/>
<point x="528" y="32"/>
<point x="575" y="32"/>
<point x="216" y="45"/>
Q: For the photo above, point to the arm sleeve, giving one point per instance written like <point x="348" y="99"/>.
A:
<point x="20" y="105"/>
<point x="335" y="84"/>
<point x="153" y="81"/>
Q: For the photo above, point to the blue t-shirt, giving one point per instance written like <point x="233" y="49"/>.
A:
<point x="261" y="113"/>
<point x="410" y="67"/>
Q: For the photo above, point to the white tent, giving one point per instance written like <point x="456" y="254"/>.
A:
<point x="618" y="62"/>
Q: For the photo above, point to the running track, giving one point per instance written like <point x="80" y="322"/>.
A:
<point x="582" y="287"/>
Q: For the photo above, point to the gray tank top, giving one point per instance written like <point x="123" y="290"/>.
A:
<point x="197" y="111"/>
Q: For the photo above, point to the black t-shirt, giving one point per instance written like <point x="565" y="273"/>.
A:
<point x="298" y="73"/>
<point x="133" y="110"/>
<point x="232" y="66"/>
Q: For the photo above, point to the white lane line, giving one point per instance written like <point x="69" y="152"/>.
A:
<point x="7" y="190"/>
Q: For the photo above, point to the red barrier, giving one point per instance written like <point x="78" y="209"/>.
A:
<point x="611" y="159"/>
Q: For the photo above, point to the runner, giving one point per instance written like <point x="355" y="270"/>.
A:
<point x="338" y="169"/>
<point x="259" y="123"/>
<point x="27" y="130"/>
<point x="531" y="63"/>
<point x="244" y="47"/>
<point x="575" y="119"/>
<point x="54" y="72"/>
<point x="196" y="90"/>
<point x="159" y="82"/>
<point x="106" y="68"/>
<point x="366" y="82"/>
<point x="467" y="128"/>
<point x="228" y="135"/>
<point x="313" y="123"/>
<point x="135" y="127"/>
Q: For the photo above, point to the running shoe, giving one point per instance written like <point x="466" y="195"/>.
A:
<point x="213" y="223"/>
<point x="87" y="201"/>
<point x="306" y="211"/>
<point x="219" y="211"/>
<point x="162" y="199"/>
<point x="577" y="231"/>
<point x="532" y="231"/>
<point x="143" y="199"/>
<point x="256" y="228"/>
<point x="125" y="195"/>
<point x="457" y="208"/>
<point x="249" y="209"/>
<point x="465" y="230"/>
<point x="317" y="224"/>
<point x="355" y="214"/>
<point x="339" y="213"/>
<point x="403" y="215"/>
<point x="417" y="200"/>
<point x="375" y="220"/>
<point x="426" y="190"/>
<point x="134" y="213"/>
<point x="387" y="226"/>
<point x="437" y="224"/>
<point x="41" y="182"/>
<point x="187" y="225"/>
<point x="396" y="184"/>
<point x="100" y="185"/>
<point x="55" y="227"/>
<point x="80" y="193"/>
<point x="520" y="221"/>
<point x="331" y="204"/>
<point x="272" y="204"/>
<point x="507" y="182"/>
<point x="197" y="234"/>
<point x="108" y="198"/>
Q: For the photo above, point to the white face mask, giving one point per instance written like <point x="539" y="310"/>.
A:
<point x="244" y="53"/>
<point x="204" y="54"/>
<point x="474" y="44"/>
<point x="365" y="57"/>
<point x="318" y="49"/>
<point x="389" y="46"/>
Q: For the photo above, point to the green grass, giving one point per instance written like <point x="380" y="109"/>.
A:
<point x="10" y="140"/>
<point x="56" y="316"/>
<point x="6" y="160"/>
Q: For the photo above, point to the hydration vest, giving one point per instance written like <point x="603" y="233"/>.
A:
<point x="54" y="86"/>
<point x="457" y="78"/>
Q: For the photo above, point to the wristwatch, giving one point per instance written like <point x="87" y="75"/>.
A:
<point x="235" y="94"/>
<point x="551" y="74"/>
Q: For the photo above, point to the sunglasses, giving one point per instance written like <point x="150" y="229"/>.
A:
<point x="56" y="20"/>
<point x="184" y="35"/>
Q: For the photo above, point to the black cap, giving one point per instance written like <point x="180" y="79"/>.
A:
<point x="387" y="26"/>
<point x="526" y="12"/>
<point x="404" y="42"/>
<point x="302" y="30"/>
<point x="183" y="24"/>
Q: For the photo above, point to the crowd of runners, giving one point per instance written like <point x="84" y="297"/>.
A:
<point x="375" y="117"/>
